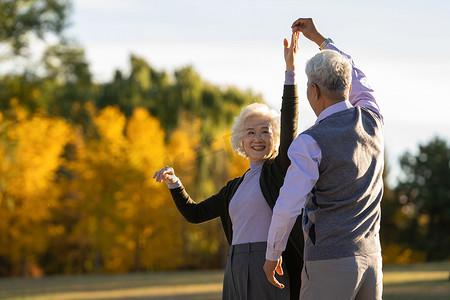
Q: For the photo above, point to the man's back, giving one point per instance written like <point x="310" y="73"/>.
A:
<point x="342" y="214"/>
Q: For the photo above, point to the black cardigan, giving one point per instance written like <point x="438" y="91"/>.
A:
<point x="271" y="180"/>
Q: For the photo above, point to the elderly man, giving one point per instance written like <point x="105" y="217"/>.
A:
<point x="336" y="175"/>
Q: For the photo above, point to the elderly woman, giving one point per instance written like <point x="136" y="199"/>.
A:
<point x="245" y="204"/>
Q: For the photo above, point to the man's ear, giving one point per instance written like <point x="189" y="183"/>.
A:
<point x="316" y="91"/>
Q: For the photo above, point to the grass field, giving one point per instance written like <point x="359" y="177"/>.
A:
<point x="424" y="281"/>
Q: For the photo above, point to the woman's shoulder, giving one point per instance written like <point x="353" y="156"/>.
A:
<point x="272" y="169"/>
<point x="231" y="186"/>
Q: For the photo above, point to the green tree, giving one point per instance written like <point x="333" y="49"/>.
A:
<point x="60" y="82"/>
<point x="67" y="84"/>
<point x="393" y="224"/>
<point x="24" y="88"/>
<point x="20" y="18"/>
<point x="144" y="87"/>
<point x="424" y="194"/>
<point x="61" y="87"/>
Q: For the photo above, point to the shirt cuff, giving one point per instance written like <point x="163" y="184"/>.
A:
<point x="175" y="185"/>
<point x="272" y="254"/>
<point x="289" y="78"/>
<point x="325" y="43"/>
<point x="330" y="46"/>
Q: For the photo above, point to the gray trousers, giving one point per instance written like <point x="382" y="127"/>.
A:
<point x="355" y="277"/>
<point x="244" y="277"/>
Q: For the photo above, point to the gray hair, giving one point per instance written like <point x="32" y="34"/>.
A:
<point x="237" y="131"/>
<point x="331" y="71"/>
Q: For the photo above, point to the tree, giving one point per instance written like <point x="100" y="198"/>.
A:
<point x="20" y="18"/>
<point x="58" y="83"/>
<point x="117" y="218"/>
<point x="424" y="194"/>
<point x="143" y="87"/>
<point x="31" y="147"/>
<point x="26" y="88"/>
<point x="152" y="227"/>
<point x="393" y="223"/>
<point x="67" y="82"/>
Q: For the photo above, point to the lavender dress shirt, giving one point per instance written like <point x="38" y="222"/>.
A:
<point x="305" y="156"/>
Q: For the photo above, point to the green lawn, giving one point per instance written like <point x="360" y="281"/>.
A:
<point x="424" y="281"/>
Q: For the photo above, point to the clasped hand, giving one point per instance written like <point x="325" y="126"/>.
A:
<point x="166" y="174"/>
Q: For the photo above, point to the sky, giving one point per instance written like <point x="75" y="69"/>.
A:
<point x="402" y="46"/>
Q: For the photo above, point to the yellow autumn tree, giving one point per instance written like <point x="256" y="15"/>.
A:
<point x="31" y="147"/>
<point x="181" y="154"/>
<point x="182" y="150"/>
<point x="100" y="168"/>
<point x="127" y="218"/>
<point x="149" y="237"/>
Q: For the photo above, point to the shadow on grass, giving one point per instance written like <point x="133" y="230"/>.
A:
<point x="415" y="290"/>
<point x="421" y="281"/>
<point x="207" y="296"/>
<point x="113" y="285"/>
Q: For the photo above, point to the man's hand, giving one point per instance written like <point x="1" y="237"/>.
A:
<point x="309" y="30"/>
<point x="270" y="267"/>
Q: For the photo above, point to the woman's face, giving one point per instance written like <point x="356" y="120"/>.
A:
<point x="258" y="138"/>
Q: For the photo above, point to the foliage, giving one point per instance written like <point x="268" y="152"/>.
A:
<point x="76" y="187"/>
<point x="123" y="217"/>
<point x="31" y="147"/>
<point x="185" y="96"/>
<point x="424" y="196"/>
<point x="58" y="83"/>
<point x="19" y="18"/>
<point x="67" y="84"/>
<point x="108" y="214"/>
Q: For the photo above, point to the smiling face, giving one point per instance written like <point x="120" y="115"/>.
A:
<point x="258" y="138"/>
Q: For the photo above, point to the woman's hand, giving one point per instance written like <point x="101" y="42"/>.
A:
<point x="166" y="174"/>
<point x="291" y="51"/>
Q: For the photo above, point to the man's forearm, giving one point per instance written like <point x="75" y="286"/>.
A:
<point x="361" y="93"/>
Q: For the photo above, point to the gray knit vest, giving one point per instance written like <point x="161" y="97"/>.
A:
<point x="342" y="212"/>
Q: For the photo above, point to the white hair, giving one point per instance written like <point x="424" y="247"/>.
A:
<point x="254" y="109"/>
<point x="331" y="71"/>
